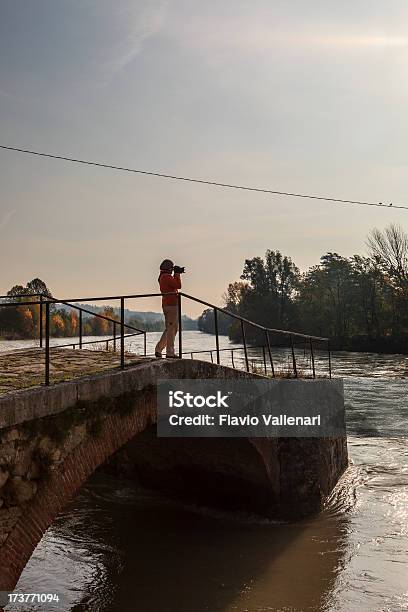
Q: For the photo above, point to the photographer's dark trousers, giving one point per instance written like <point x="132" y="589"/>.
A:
<point x="170" y="331"/>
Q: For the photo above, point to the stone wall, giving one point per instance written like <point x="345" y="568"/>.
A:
<point x="280" y="478"/>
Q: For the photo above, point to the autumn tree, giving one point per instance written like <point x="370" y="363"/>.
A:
<point x="57" y="325"/>
<point x="73" y="319"/>
<point x="20" y="293"/>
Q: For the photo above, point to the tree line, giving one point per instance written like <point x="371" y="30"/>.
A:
<point x="360" y="302"/>
<point x="20" y="322"/>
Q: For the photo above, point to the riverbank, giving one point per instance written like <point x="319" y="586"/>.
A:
<point x="364" y="344"/>
<point x="387" y="345"/>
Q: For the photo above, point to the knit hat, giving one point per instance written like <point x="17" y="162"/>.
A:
<point x="166" y="265"/>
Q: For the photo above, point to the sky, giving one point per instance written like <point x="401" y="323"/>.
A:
<point x="309" y="97"/>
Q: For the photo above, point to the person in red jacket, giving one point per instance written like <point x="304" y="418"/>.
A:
<point x="170" y="282"/>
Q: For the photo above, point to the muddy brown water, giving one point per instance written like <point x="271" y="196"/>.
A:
<point x="118" y="548"/>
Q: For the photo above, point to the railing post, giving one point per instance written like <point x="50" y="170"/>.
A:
<point x="232" y="358"/>
<point x="122" y="332"/>
<point x="269" y="352"/>
<point x="180" y="330"/>
<point x="329" y="351"/>
<point x="293" y="356"/>
<point x="144" y="344"/>
<point x="47" y="343"/>
<point x="80" y="329"/>
<point x="217" y="342"/>
<point x="312" y="356"/>
<point x="245" y="346"/>
<point x="212" y="357"/>
<point x="264" y="358"/>
<point x="40" y="323"/>
<point x="114" y="336"/>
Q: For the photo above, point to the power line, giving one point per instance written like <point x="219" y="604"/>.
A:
<point x="206" y="182"/>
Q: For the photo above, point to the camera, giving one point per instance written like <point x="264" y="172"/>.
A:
<point x="179" y="269"/>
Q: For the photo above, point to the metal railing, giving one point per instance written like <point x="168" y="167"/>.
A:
<point x="44" y="303"/>
<point x="266" y="331"/>
<point x="291" y="338"/>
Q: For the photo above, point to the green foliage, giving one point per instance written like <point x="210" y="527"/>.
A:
<point x="265" y="294"/>
<point x="354" y="300"/>
<point x="205" y="322"/>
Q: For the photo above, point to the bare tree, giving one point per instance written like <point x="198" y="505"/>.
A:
<point x="390" y="250"/>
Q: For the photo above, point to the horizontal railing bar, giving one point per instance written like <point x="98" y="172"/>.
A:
<point x="270" y="329"/>
<point x="55" y="301"/>
<point x="104" y="339"/>
<point x="95" y="314"/>
<point x="98" y="298"/>
<point x="235" y="348"/>
<point x="7" y="304"/>
<point x="115" y="297"/>
<point x="112" y="297"/>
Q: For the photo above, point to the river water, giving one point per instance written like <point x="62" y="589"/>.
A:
<point x="119" y="549"/>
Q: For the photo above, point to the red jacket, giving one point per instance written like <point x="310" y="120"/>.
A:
<point x="169" y="283"/>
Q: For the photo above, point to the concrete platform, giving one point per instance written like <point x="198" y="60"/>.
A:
<point x="22" y="369"/>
